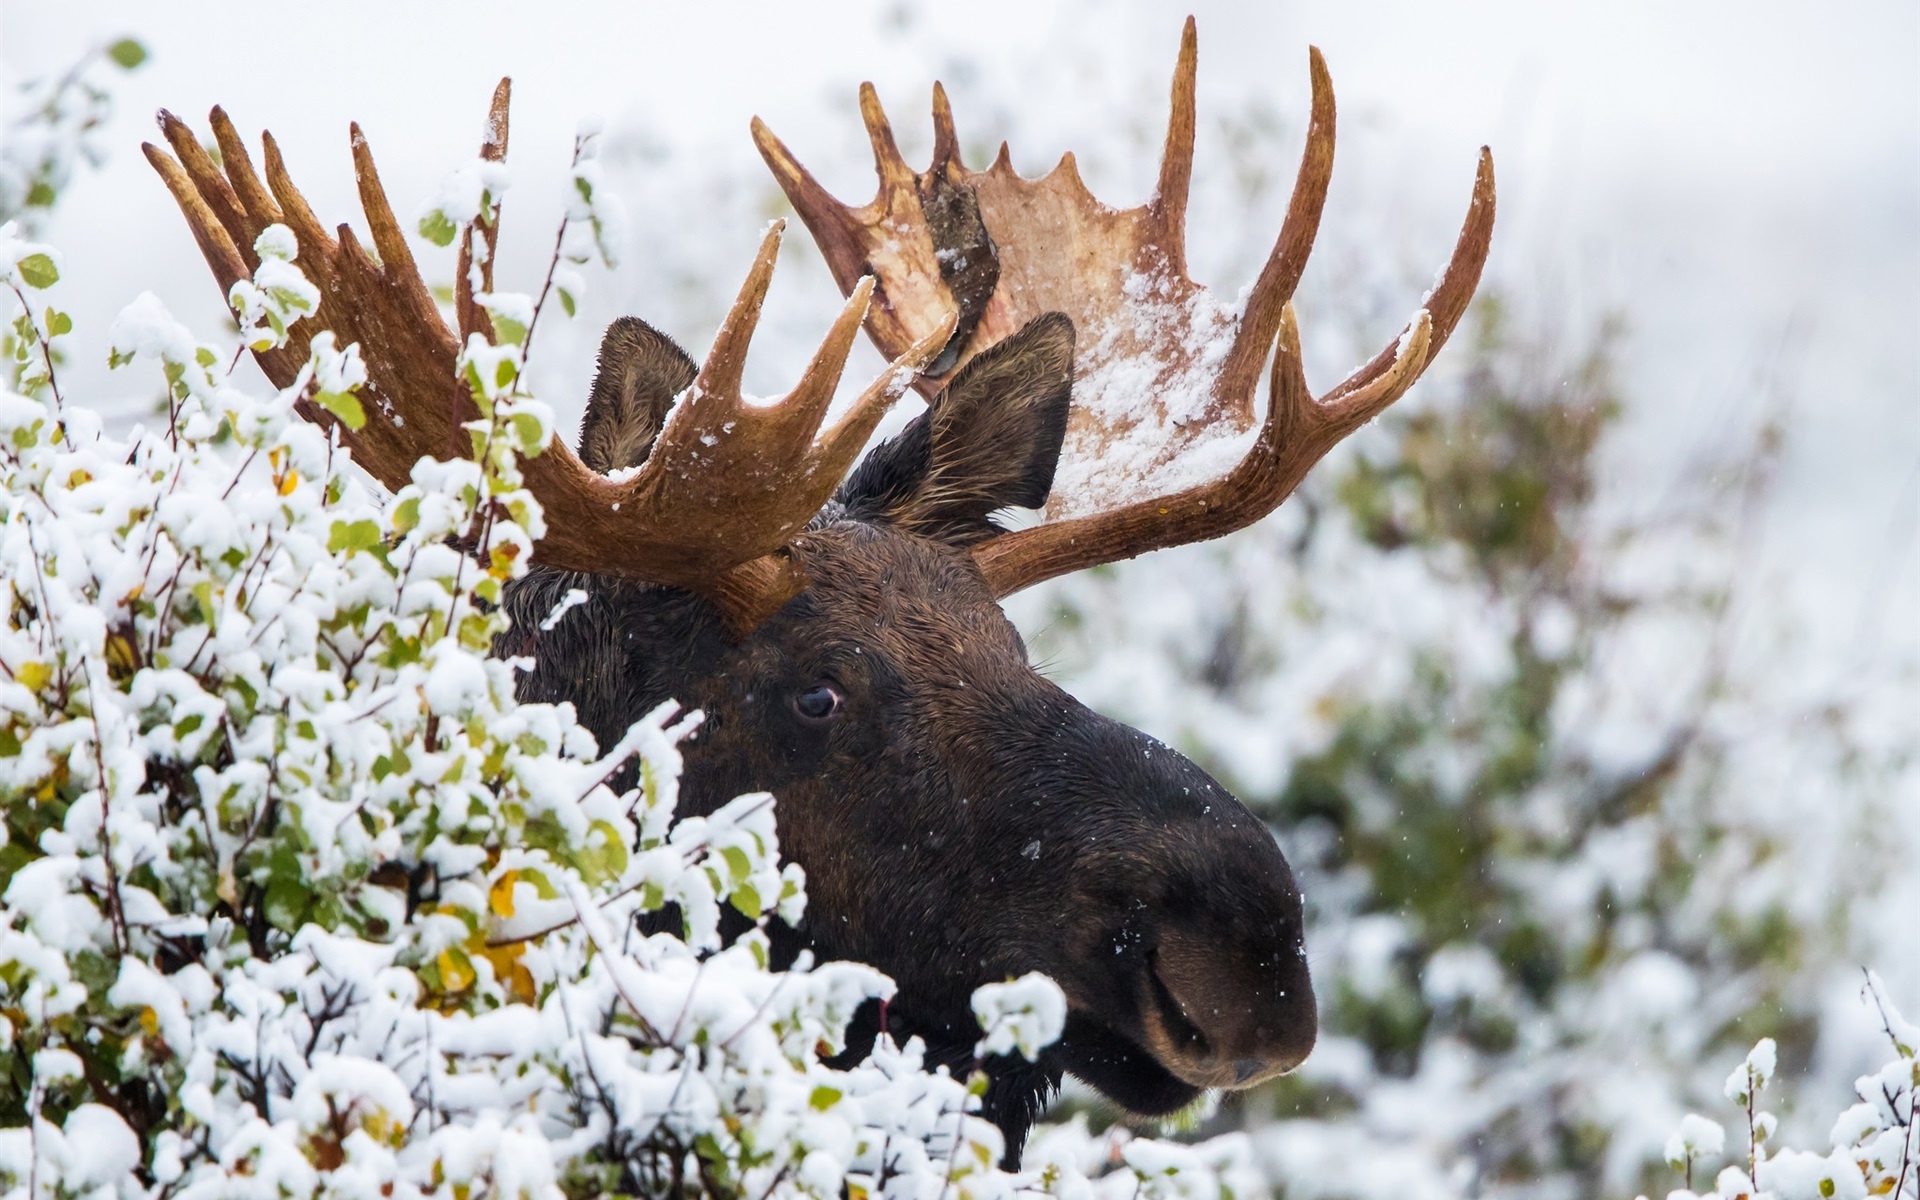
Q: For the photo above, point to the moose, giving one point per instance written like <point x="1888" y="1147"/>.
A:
<point x="960" y="818"/>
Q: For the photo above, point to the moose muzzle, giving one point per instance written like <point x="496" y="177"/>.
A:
<point x="1182" y="944"/>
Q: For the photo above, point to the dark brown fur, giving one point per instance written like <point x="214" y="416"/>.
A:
<point x="962" y="820"/>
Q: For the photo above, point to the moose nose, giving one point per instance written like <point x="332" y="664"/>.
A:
<point x="1225" y="1016"/>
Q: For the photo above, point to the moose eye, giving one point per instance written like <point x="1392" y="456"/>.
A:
<point x="821" y="702"/>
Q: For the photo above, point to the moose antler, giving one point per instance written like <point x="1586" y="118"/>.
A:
<point x="1165" y="375"/>
<point x="729" y="484"/>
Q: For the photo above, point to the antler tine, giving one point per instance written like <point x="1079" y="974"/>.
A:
<point x="719" y="378"/>
<point x="826" y="218"/>
<point x="946" y="143"/>
<point x="1411" y="354"/>
<point x="216" y="244"/>
<point x="841" y="444"/>
<point x="211" y="185"/>
<point x="1273" y="290"/>
<point x="893" y="170"/>
<point x="921" y="277"/>
<point x="1169" y="203"/>
<point x="493" y="148"/>
<point x="1450" y="297"/>
<point x="388" y="240"/>
<point x="316" y="244"/>
<point x="800" y="414"/>
<point x="254" y="197"/>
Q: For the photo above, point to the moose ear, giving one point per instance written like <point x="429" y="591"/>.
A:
<point x="991" y="440"/>
<point x="640" y="373"/>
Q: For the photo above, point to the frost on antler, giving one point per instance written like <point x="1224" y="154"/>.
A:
<point x="999" y="250"/>
<point x="1166" y="371"/>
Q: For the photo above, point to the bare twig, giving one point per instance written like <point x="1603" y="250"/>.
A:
<point x="116" y="914"/>
<point x="613" y="976"/>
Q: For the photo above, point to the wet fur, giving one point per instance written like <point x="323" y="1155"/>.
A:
<point x="965" y="820"/>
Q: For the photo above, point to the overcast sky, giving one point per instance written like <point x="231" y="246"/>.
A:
<point x="1741" y="179"/>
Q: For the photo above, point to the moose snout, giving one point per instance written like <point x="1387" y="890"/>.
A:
<point x="1185" y="941"/>
<point x="1225" y="1016"/>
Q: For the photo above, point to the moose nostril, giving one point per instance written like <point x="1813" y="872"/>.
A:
<point x="1177" y="1021"/>
<point x="1246" y="1069"/>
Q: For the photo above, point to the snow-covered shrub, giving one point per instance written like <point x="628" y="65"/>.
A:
<point x="1551" y="860"/>
<point x="51" y="126"/>
<point x="297" y="900"/>
<point x="1875" y="1143"/>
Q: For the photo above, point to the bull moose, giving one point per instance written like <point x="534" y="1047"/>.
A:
<point x="960" y="818"/>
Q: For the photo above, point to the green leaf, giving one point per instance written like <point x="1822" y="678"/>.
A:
<point x="346" y="406"/>
<point x="203" y="598"/>
<point x="127" y="53"/>
<point x="353" y="535"/>
<point x="824" y="1097"/>
<point x="287" y="899"/>
<point x="566" y="300"/>
<point x="58" y="323"/>
<point x="38" y="271"/>
<point x="527" y="431"/>
<point x="406" y="514"/>
<point x="602" y="857"/>
<point x="542" y="887"/>
<point x="290" y="300"/>
<point x="438" y="228"/>
<point x="738" y="865"/>
<point x="747" y="900"/>
<point x="509" y="330"/>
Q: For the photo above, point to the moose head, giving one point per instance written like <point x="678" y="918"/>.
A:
<point x="960" y="818"/>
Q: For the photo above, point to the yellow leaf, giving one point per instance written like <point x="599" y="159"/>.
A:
<point x="508" y="969"/>
<point x="288" y="482"/>
<point x="456" y="973"/>
<point x="34" y="675"/>
<point x="500" y="895"/>
<point x="123" y="657"/>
